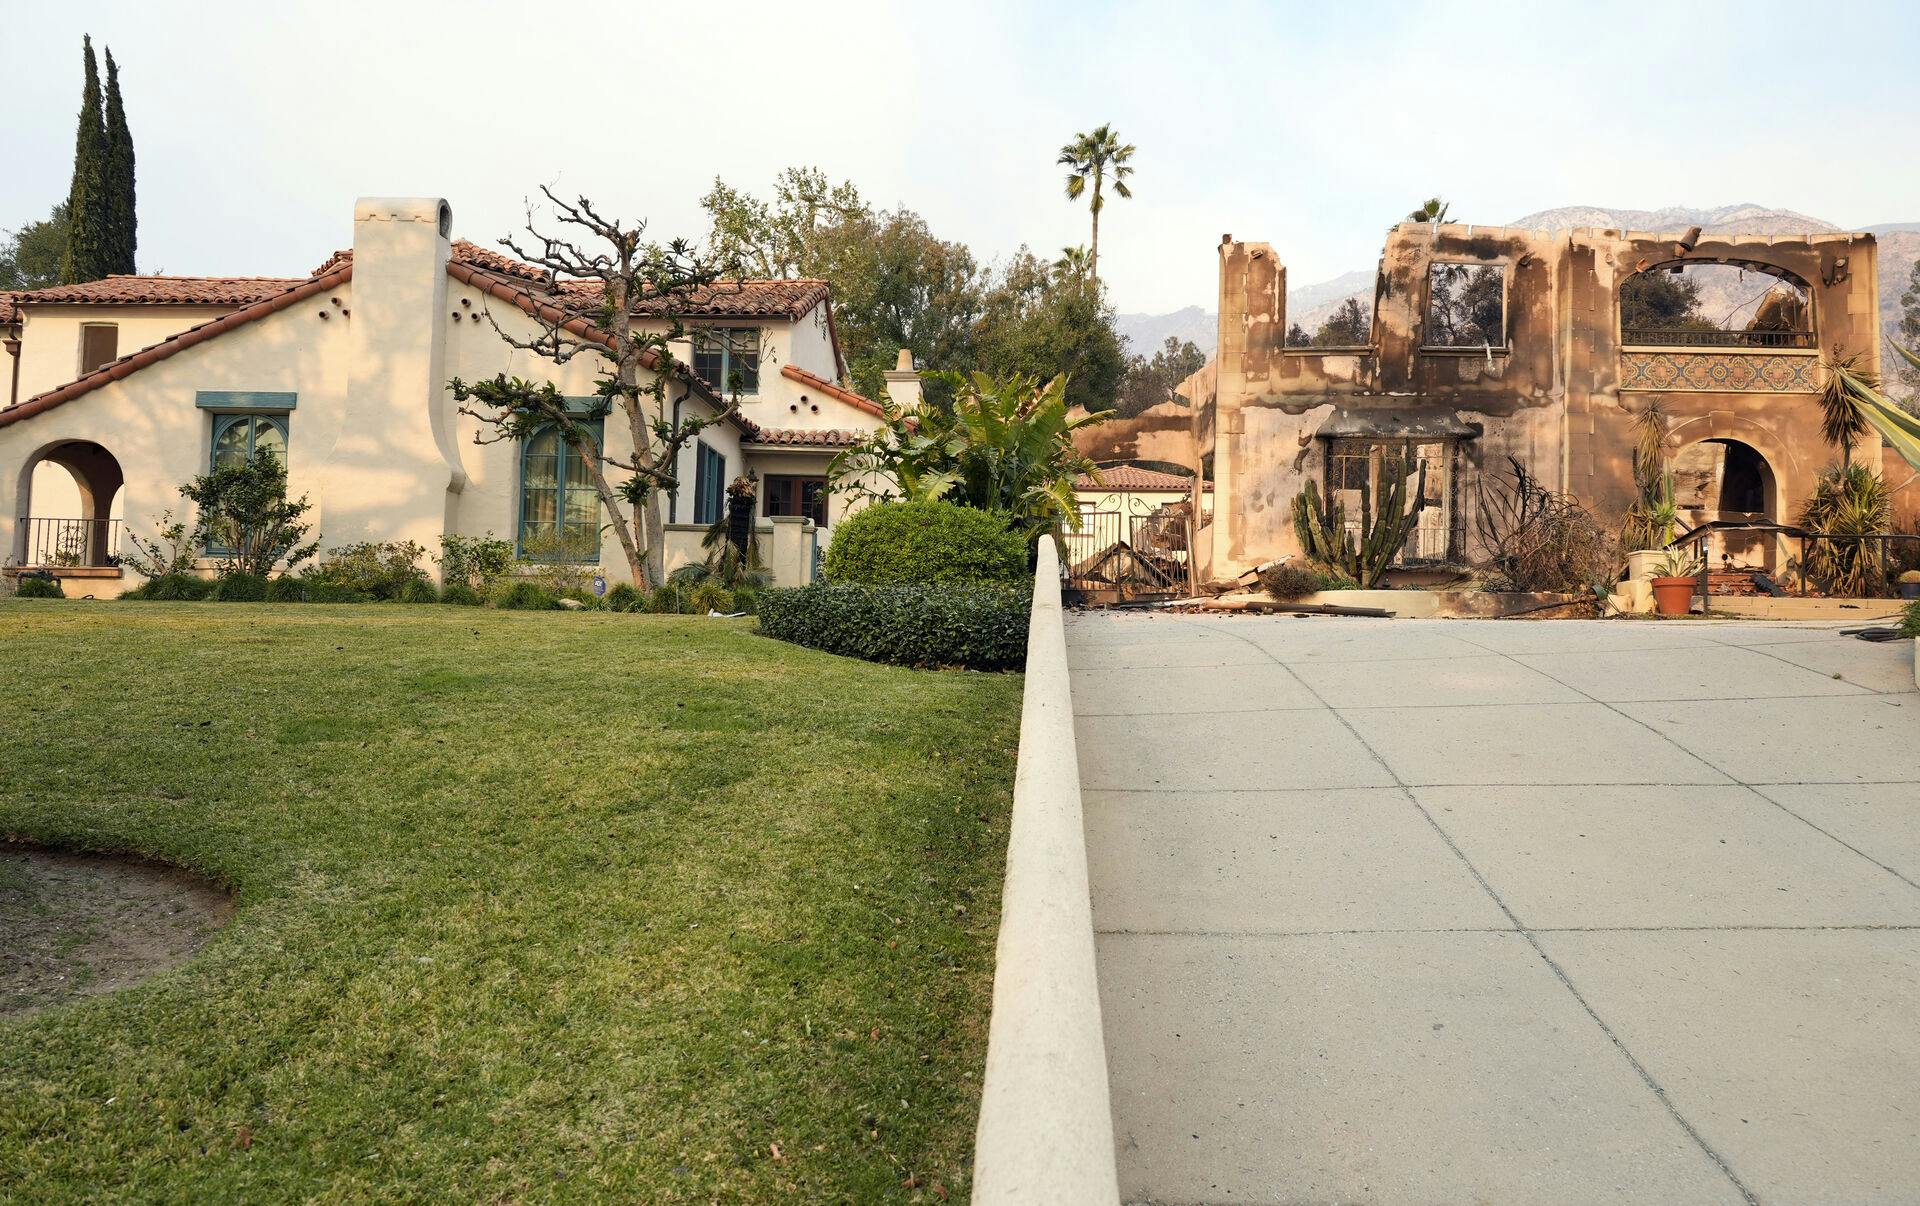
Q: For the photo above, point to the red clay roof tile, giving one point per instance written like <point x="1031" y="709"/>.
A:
<point x="805" y="437"/>
<point x="162" y="291"/>
<point x="1124" y="478"/>
<point x="795" y="373"/>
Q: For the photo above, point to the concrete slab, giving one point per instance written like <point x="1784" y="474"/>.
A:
<point x="1575" y="636"/>
<point x="1523" y="743"/>
<point x="1710" y="672"/>
<point x="1375" y="1068"/>
<point x="1877" y="666"/>
<point x="1438" y="682"/>
<point x="1795" y="1055"/>
<point x="1239" y="862"/>
<point x="1846" y="739"/>
<point x="1258" y="687"/>
<point x="1880" y="820"/>
<point x="1564" y="857"/>
<point x="1333" y="639"/>
<point x="1230" y="751"/>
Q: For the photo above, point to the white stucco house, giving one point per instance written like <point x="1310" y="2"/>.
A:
<point x="119" y="390"/>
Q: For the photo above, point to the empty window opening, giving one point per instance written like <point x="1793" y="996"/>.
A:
<point x="1347" y="325"/>
<point x="1716" y="305"/>
<point x="1466" y="306"/>
<point x="1372" y="466"/>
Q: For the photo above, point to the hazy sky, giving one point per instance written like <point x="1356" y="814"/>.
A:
<point x="1310" y="126"/>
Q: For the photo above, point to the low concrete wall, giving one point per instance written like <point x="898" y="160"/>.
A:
<point x="786" y="547"/>
<point x="1046" y="1121"/>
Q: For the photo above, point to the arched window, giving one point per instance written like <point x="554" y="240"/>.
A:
<point x="559" y="507"/>
<point x="1709" y="304"/>
<point x="237" y="437"/>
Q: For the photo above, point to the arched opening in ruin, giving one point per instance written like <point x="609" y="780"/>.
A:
<point x="70" y="507"/>
<point x="1716" y="304"/>
<point x="1727" y="479"/>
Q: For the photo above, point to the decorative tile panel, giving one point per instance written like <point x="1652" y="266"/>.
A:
<point x="1720" y="372"/>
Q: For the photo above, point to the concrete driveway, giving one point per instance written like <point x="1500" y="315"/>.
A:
<point x="1458" y="911"/>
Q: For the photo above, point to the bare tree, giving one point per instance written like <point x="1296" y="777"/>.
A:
<point x="642" y="383"/>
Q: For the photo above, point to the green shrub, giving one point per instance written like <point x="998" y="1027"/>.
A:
<point x="709" y="596"/>
<point x="525" y="596"/>
<point x="664" y="600"/>
<point x="898" y="543"/>
<point x="983" y="627"/>
<point x="169" y="587"/>
<point x="379" y="571"/>
<point x="418" y="591"/>
<point x="240" y="588"/>
<point x="1910" y="619"/>
<point x="623" y="597"/>
<point x="34" y="586"/>
<point x="461" y="595"/>
<point x="477" y="561"/>
<point x="286" y="589"/>
<point x="333" y="592"/>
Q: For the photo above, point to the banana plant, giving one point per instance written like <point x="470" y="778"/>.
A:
<point x="1363" y="555"/>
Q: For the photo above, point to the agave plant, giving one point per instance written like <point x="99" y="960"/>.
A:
<point x="1005" y="445"/>
<point x="1847" y="501"/>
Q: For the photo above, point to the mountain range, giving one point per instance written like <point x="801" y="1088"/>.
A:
<point x="1309" y="305"/>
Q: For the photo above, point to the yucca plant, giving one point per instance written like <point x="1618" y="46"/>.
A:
<point x="1652" y="516"/>
<point x="1847" y="501"/>
<point x="1363" y="555"/>
<point x="1843" y="417"/>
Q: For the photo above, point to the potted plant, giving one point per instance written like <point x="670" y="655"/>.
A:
<point x="1910" y="584"/>
<point x="1673" y="584"/>
<point x="1654" y="514"/>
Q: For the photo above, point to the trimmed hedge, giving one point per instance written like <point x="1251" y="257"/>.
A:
<point x="897" y="543"/>
<point x="170" y="587"/>
<point x="33" y="586"/>
<point x="980" y="627"/>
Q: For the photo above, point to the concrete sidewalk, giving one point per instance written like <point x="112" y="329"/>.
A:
<point x="1464" y="911"/>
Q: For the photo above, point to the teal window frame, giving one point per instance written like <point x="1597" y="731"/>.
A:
<point x="254" y="421"/>
<point x="570" y="475"/>
<point x="718" y="352"/>
<point x="709" y="483"/>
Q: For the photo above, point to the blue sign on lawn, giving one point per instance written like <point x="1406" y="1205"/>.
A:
<point x="599" y="585"/>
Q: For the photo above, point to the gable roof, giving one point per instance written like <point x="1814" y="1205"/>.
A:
<point x="794" y="372"/>
<point x="747" y="297"/>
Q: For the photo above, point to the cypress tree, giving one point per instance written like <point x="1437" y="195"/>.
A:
<point x="124" y="224"/>
<point x="88" y="219"/>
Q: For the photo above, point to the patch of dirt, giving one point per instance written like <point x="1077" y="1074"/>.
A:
<point x="76" y="925"/>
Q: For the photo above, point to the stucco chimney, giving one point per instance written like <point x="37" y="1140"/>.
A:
<point x="903" y="383"/>
<point x="395" y="460"/>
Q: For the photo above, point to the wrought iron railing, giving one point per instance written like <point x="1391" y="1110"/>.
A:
<point x="67" y="543"/>
<point x="1680" y="338"/>
<point x="1842" y="567"/>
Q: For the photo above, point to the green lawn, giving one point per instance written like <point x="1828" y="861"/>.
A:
<point x="531" y="906"/>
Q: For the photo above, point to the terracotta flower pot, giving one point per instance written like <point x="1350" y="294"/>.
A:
<point x="1673" y="596"/>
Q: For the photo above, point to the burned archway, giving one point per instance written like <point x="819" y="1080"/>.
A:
<point x="68" y="493"/>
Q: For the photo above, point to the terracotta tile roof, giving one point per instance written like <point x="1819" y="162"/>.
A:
<point x="163" y="291"/>
<point x="1123" y="478"/>
<point x="805" y="437"/>
<point x="7" y="310"/>
<point x="463" y="252"/>
<point x="795" y="373"/>
<point x="133" y="362"/>
<point x="749" y="298"/>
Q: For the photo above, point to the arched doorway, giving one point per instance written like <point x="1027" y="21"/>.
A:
<point x="70" y="512"/>
<point x="1727" y="479"/>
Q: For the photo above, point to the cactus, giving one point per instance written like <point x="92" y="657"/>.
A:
<point x="1325" y="539"/>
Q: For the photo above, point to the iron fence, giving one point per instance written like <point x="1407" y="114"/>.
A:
<point x="66" y="543"/>
<point x="1678" y="338"/>
<point x="1136" y="553"/>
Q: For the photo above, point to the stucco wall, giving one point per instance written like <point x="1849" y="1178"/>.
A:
<point x="50" y="336"/>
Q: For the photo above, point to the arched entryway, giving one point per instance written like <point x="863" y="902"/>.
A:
<point x="69" y="514"/>
<point x="1721" y="478"/>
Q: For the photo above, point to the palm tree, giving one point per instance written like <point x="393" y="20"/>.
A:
<point x="1843" y="418"/>
<point x="1072" y="264"/>
<point x="1433" y="209"/>
<point x="1096" y="156"/>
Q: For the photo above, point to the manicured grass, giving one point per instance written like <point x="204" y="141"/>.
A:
<point x="531" y="906"/>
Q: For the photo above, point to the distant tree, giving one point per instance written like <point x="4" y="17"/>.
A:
<point x="1151" y="382"/>
<point x="1072" y="262"/>
<point x="30" y="257"/>
<point x="1036" y="324"/>
<point x="1433" y="209"/>
<point x="89" y="251"/>
<point x="1348" y="326"/>
<point x="1297" y="337"/>
<point x="1910" y="330"/>
<point x="1661" y="301"/>
<point x="123" y="225"/>
<point x="1093" y="158"/>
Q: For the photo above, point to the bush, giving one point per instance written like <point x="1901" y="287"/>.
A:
<point x="37" y="586"/>
<point x="476" y="561"/>
<point x="461" y="595"/>
<point x="1289" y="580"/>
<point x="664" y="600"/>
<point x="897" y="543"/>
<point x="623" y="597"/>
<point x="170" y="587"/>
<point x="379" y="571"/>
<point x="333" y="592"/>
<point x="709" y="596"/>
<point x="418" y="591"/>
<point x="982" y="627"/>
<point x="525" y="596"/>
<point x="240" y="588"/>
<point x="286" y="589"/>
<point x="1910" y="619"/>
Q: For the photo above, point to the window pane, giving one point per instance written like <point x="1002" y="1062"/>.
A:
<point x="745" y="359"/>
<point x="268" y="438"/>
<point x="229" y="442"/>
